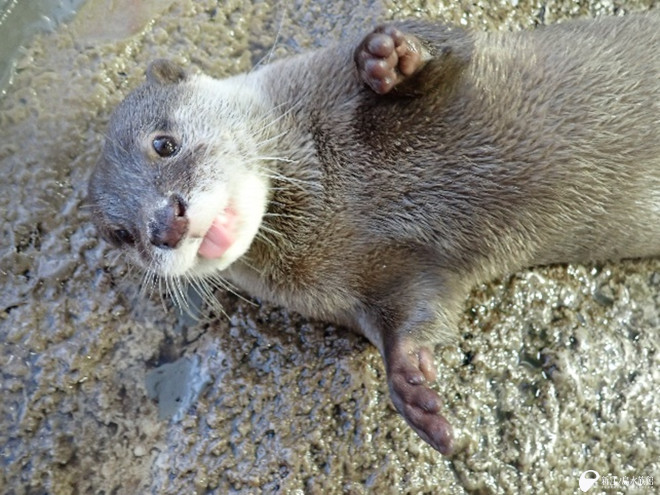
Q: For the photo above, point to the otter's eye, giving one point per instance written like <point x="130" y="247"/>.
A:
<point x="122" y="236"/>
<point x="165" y="146"/>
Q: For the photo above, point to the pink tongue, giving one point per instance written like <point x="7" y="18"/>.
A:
<point x="219" y="237"/>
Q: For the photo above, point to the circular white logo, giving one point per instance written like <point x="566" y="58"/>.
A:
<point x="588" y="479"/>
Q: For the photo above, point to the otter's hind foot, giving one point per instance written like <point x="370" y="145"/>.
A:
<point x="386" y="57"/>
<point x="409" y="371"/>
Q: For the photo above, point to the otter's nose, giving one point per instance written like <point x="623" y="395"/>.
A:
<point x="169" y="224"/>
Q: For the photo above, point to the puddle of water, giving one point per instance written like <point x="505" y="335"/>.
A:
<point x="20" y="20"/>
<point x="175" y="386"/>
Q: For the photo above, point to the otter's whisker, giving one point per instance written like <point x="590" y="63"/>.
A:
<point x="271" y="174"/>
<point x="115" y="258"/>
<point x="245" y="260"/>
<point x="271" y="230"/>
<point x="261" y="158"/>
<point x="226" y="285"/>
<point x="269" y="121"/>
<point x="261" y="236"/>
<point x="146" y="283"/>
<point x="196" y="285"/>
<point x="262" y="144"/>
<point x="284" y="215"/>
<point x="161" y="292"/>
<point x="171" y="292"/>
<point x="207" y="294"/>
<point x="181" y="299"/>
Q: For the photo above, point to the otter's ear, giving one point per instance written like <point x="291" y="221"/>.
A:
<point x="163" y="71"/>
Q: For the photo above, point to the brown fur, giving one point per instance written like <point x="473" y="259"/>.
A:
<point x="505" y="150"/>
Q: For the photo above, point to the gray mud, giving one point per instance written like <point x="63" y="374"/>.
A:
<point x="556" y="370"/>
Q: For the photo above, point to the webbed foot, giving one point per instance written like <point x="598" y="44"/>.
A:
<point x="409" y="372"/>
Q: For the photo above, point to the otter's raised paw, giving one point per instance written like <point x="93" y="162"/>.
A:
<point x="408" y="375"/>
<point x="386" y="57"/>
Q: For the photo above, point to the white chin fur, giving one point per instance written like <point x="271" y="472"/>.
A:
<point x="249" y="201"/>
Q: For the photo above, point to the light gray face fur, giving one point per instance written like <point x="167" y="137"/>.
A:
<point x="502" y="151"/>
<point x="212" y="169"/>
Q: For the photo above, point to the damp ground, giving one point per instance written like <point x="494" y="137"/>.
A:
<point x="555" y="370"/>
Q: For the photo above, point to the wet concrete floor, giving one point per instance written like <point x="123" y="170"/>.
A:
<point x="556" y="370"/>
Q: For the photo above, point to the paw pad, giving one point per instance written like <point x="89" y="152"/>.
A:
<point x="386" y="57"/>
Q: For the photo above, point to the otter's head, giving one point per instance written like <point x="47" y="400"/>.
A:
<point x="177" y="184"/>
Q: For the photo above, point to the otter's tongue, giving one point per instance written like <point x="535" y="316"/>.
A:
<point x="220" y="236"/>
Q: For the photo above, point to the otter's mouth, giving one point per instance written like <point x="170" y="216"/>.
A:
<point x="220" y="236"/>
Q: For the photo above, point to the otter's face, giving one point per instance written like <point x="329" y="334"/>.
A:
<point x="177" y="185"/>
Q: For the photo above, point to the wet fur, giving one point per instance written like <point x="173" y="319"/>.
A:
<point x="505" y="150"/>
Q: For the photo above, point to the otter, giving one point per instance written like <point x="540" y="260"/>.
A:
<point x="374" y="182"/>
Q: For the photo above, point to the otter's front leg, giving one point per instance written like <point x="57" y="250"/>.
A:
<point x="387" y="57"/>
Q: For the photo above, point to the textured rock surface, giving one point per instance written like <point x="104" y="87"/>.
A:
<point x="556" y="370"/>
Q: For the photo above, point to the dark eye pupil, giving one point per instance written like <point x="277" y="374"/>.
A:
<point x="123" y="236"/>
<point x="165" y="146"/>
